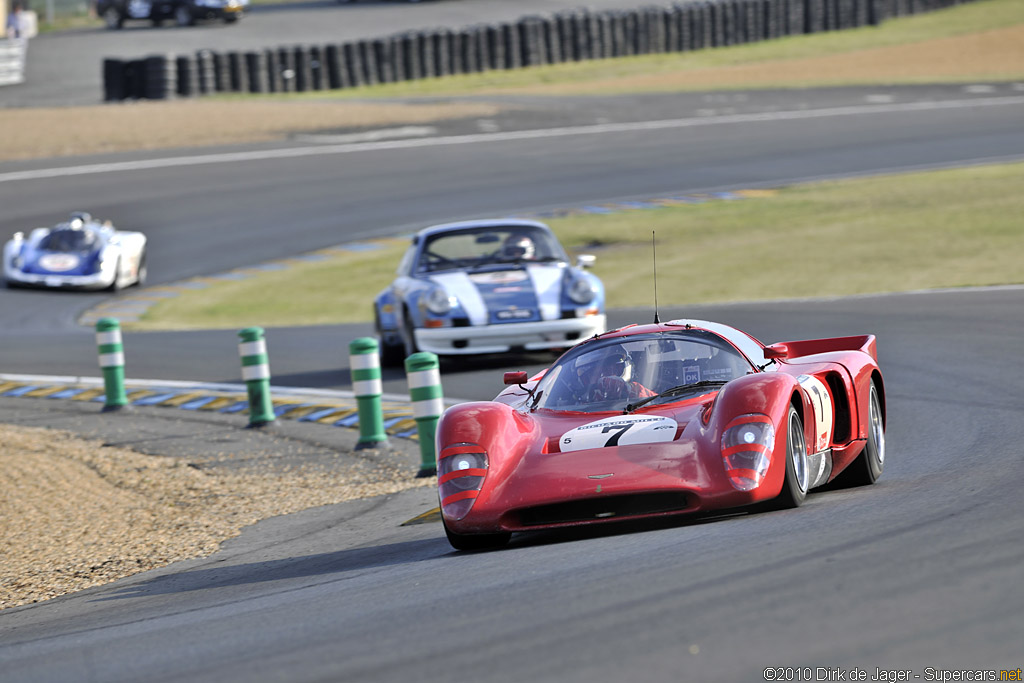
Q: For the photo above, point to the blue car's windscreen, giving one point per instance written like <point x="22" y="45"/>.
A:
<point x="484" y="247"/>
<point x="69" y="241"/>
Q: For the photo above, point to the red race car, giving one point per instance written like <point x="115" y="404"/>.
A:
<point x="662" y="419"/>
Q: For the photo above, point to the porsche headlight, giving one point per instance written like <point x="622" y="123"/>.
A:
<point x="582" y="290"/>
<point x="747" y="446"/>
<point x="438" y="301"/>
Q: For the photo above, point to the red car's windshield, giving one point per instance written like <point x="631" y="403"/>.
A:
<point x="609" y="374"/>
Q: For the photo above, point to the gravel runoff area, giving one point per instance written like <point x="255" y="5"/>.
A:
<point x="88" y="497"/>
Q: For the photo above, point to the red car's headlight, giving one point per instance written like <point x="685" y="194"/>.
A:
<point x="747" y="445"/>
<point x="461" y="469"/>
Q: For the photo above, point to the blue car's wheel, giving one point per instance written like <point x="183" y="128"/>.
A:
<point x="408" y="335"/>
<point x="391" y="355"/>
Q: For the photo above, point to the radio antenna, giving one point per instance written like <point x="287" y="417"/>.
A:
<point x="654" y="254"/>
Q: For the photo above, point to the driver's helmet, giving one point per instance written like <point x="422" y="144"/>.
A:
<point x="616" y="363"/>
<point x="519" y="247"/>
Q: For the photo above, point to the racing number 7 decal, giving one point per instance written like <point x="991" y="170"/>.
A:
<point x="619" y="430"/>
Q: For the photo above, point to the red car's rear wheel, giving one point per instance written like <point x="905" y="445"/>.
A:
<point x="867" y="468"/>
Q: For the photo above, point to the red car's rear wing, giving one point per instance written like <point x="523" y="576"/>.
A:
<point x="810" y="347"/>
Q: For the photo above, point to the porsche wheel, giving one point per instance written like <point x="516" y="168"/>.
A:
<point x="476" y="541"/>
<point x="798" y="475"/>
<point x="867" y="468"/>
<point x="390" y="354"/>
<point x="408" y="336"/>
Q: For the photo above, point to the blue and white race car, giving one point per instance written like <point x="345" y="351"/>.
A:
<point x="487" y="286"/>
<point x="82" y="253"/>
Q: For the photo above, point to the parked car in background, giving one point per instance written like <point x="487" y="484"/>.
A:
<point x="81" y="253"/>
<point x="182" y="12"/>
<point x="487" y="286"/>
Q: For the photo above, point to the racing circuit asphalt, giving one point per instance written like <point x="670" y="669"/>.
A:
<point x="922" y="570"/>
<point x="214" y="213"/>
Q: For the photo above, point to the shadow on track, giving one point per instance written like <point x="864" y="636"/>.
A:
<point x="331" y="566"/>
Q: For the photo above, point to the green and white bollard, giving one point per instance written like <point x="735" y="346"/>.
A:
<point x="256" y="373"/>
<point x="424" y="376"/>
<point x="364" y="360"/>
<point x="111" y="350"/>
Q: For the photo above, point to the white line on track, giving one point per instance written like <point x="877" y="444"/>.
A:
<point x="598" y="129"/>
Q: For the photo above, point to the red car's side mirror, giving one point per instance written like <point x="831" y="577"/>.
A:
<point x="776" y="351"/>
<point x="515" y="378"/>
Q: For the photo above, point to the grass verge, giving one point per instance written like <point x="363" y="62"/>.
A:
<point x="951" y="228"/>
<point x="977" y="42"/>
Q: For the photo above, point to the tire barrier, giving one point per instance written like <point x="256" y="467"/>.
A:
<point x="364" y="360"/>
<point x="256" y="374"/>
<point x="111" y="355"/>
<point x="424" y="376"/>
<point x="531" y="41"/>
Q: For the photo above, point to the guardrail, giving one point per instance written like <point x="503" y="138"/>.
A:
<point x="530" y="41"/>
<point x="12" y="61"/>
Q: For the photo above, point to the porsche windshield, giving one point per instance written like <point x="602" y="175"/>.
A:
<point x="482" y="247"/>
<point x="616" y="374"/>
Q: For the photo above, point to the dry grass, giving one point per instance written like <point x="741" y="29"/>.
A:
<point x="68" y="131"/>
<point x="991" y="55"/>
<point x="981" y="42"/>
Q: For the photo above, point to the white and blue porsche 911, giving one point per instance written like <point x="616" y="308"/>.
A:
<point x="487" y="286"/>
<point x="81" y="253"/>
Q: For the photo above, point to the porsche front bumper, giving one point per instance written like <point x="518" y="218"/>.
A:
<point x="531" y="336"/>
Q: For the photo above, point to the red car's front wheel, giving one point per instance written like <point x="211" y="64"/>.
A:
<point x="476" y="541"/>
<point x="794" y="488"/>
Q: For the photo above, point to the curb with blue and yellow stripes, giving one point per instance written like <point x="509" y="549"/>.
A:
<point x="334" y="408"/>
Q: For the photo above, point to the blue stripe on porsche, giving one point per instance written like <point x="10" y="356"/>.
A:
<point x="509" y="295"/>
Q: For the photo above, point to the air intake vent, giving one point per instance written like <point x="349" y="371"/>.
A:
<point x="611" y="507"/>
